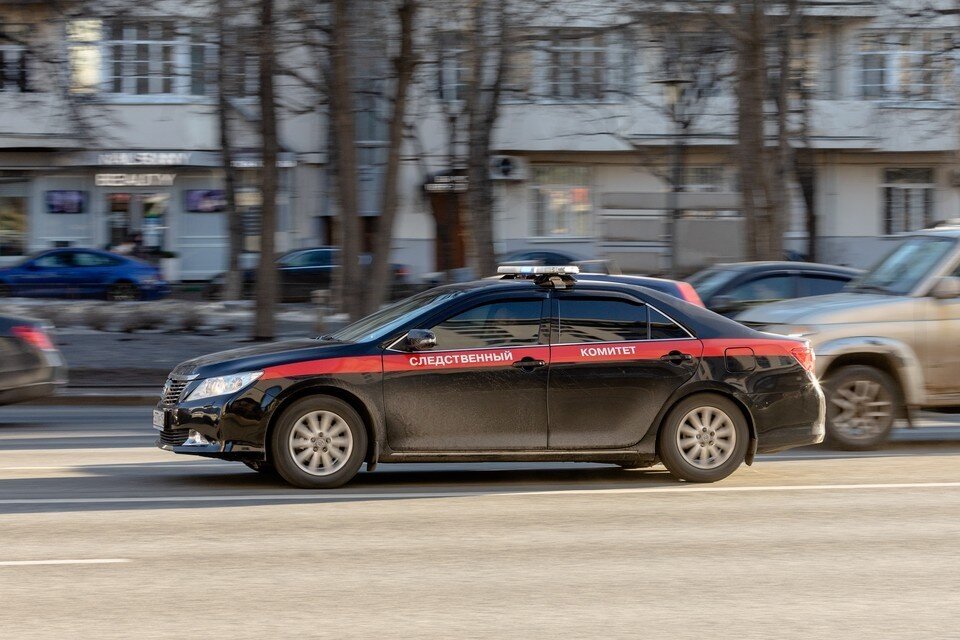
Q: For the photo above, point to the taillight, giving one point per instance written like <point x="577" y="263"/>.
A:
<point x="688" y="293"/>
<point x="805" y="356"/>
<point x="34" y="336"/>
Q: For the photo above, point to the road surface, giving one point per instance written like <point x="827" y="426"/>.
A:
<point x="103" y="536"/>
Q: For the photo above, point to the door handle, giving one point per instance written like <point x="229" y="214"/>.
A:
<point x="529" y="364"/>
<point x="676" y="357"/>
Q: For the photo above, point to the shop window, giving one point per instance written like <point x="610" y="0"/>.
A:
<point x="561" y="202"/>
<point x="13" y="226"/>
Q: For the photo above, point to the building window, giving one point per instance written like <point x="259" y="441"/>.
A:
<point x="913" y="65"/>
<point x="908" y="199"/>
<point x="561" y="202"/>
<point x="451" y="80"/>
<point x="13" y="226"/>
<point x="577" y="67"/>
<point x="141" y="58"/>
<point x="13" y="68"/>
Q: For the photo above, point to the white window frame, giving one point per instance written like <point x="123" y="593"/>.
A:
<point x="452" y="67"/>
<point x="536" y="189"/>
<point x="907" y="194"/>
<point x="897" y="60"/>
<point x="563" y="44"/>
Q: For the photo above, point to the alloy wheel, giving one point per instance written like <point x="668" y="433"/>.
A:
<point x="321" y="443"/>
<point x="863" y="409"/>
<point x="706" y="437"/>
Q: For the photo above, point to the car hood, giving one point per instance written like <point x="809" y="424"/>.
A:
<point x="830" y="309"/>
<point x="259" y="356"/>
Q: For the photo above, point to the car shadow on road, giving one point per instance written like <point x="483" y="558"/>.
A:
<point x="165" y="486"/>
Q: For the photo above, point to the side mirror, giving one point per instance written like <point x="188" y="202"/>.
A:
<point x="947" y="288"/>
<point x="420" y="340"/>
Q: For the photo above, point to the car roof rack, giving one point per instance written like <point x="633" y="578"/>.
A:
<point x="559" y="277"/>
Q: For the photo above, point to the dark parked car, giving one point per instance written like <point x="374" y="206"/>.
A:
<point x="675" y="288"/>
<point x="732" y="288"/>
<point x="534" y="366"/>
<point x="540" y="257"/>
<point x="83" y="273"/>
<point x="30" y="365"/>
<point x="304" y="271"/>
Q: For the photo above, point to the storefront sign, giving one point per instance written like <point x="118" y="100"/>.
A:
<point x="135" y="179"/>
<point x="143" y="158"/>
<point x="446" y="184"/>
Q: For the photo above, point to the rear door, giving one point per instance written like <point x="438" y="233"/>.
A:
<point x="482" y="388"/>
<point x="614" y="362"/>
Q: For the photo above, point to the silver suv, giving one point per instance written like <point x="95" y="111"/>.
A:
<point x="888" y="344"/>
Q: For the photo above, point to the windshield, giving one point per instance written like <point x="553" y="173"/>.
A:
<point x="708" y="282"/>
<point x="903" y="268"/>
<point x="379" y="325"/>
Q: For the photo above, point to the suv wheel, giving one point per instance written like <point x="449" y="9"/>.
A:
<point x="318" y="443"/>
<point x="704" y="439"/>
<point x="862" y="404"/>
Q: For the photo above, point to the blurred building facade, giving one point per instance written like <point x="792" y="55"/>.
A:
<point x="108" y="127"/>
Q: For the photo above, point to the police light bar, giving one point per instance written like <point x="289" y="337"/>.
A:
<point x="569" y="270"/>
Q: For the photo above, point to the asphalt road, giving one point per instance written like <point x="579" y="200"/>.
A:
<point x="102" y="536"/>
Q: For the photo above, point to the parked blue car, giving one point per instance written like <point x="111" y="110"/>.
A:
<point x="83" y="273"/>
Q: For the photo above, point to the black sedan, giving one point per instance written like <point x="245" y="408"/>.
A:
<point x="540" y="365"/>
<point x="304" y="271"/>
<point x="732" y="288"/>
<point x="30" y="365"/>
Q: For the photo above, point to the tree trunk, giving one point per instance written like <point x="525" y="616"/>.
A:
<point x="341" y="106"/>
<point x="380" y="279"/>
<point x="482" y="110"/>
<point x="267" y="270"/>
<point x="233" y="279"/>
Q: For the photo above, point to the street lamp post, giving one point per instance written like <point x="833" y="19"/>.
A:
<point x="673" y="94"/>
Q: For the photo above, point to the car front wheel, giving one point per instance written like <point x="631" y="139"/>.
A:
<point x="862" y="405"/>
<point x="318" y="443"/>
<point x="704" y="439"/>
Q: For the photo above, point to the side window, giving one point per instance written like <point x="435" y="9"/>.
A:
<point x="508" y="323"/>
<point x="778" y="287"/>
<point x="320" y="258"/>
<point x="84" y="259"/>
<point x="53" y="261"/>
<point x="663" y="328"/>
<point x="601" y="320"/>
<point x="819" y="285"/>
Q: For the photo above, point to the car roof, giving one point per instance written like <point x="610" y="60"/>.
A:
<point x="702" y="322"/>
<point x="785" y="265"/>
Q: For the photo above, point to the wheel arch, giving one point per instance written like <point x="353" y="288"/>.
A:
<point x="885" y="362"/>
<point x="652" y="437"/>
<point x="358" y="405"/>
<point x="893" y="357"/>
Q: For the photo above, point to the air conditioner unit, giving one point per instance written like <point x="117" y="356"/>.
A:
<point x="508" y="168"/>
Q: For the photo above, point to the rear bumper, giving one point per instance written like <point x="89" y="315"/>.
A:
<point x="806" y="426"/>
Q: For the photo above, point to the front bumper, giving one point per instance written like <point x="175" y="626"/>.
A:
<point x="229" y="424"/>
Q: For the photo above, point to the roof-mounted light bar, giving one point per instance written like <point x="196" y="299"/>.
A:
<point x="568" y="270"/>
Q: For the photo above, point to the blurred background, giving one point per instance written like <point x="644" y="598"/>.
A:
<point x="427" y="141"/>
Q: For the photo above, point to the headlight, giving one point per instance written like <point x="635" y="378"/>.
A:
<point x="224" y="385"/>
<point x="792" y="330"/>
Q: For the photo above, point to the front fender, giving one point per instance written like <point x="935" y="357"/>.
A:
<point x="902" y="357"/>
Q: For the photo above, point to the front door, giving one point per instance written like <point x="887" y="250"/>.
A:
<point x="614" y="362"/>
<point x="482" y="388"/>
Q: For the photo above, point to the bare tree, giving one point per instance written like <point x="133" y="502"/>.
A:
<point x="233" y="279"/>
<point x="266" y="289"/>
<point x="404" y="65"/>
<point x="342" y="116"/>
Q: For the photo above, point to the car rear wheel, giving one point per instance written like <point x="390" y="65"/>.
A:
<point x="318" y="443"/>
<point x="703" y="439"/>
<point x="862" y="405"/>
<point x="123" y="292"/>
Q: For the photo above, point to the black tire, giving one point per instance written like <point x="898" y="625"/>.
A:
<point x="123" y="292"/>
<point x="4" y="290"/>
<point x="285" y="435"/>
<point x="213" y="292"/>
<point x="734" y="430"/>
<point x="847" y="426"/>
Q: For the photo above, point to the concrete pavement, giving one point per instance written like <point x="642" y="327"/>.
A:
<point x="808" y="544"/>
